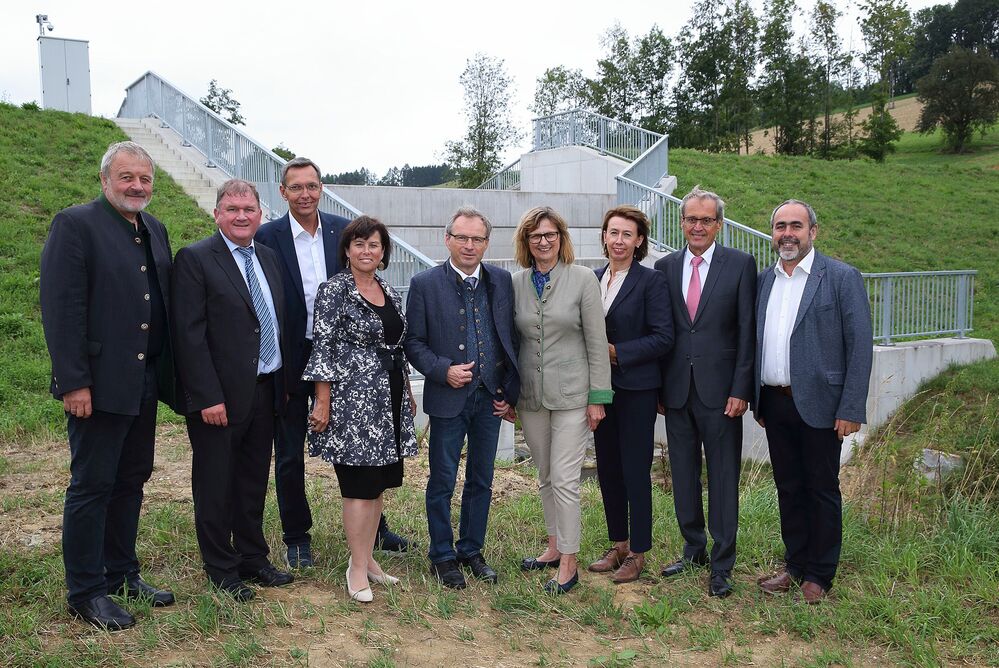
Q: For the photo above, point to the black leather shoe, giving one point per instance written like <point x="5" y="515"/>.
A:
<point x="480" y="569"/>
<point x="683" y="564"/>
<point x="137" y="588"/>
<point x="268" y="576"/>
<point x="235" y="588"/>
<point x="102" y="612"/>
<point x="720" y="584"/>
<point x="300" y="556"/>
<point x="534" y="564"/>
<point x="387" y="540"/>
<point x="554" y="588"/>
<point x="448" y="574"/>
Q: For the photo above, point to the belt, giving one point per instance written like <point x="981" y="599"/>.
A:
<point x="264" y="377"/>
<point x="781" y="389"/>
<point x="391" y="358"/>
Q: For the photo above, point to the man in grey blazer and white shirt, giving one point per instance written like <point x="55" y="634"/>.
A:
<point x="813" y="367"/>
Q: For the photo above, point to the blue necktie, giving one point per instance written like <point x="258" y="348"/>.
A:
<point x="471" y="281"/>
<point x="267" y="347"/>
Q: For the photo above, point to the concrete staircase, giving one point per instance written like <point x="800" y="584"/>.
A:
<point x="184" y="164"/>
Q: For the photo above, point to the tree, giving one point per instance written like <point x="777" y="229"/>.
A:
<point x="221" y="101"/>
<point x="741" y="31"/>
<point x="703" y="55"/>
<point x="886" y="28"/>
<point x="882" y="131"/>
<point x="960" y="94"/>
<point x="653" y="60"/>
<point x="490" y="129"/>
<point x="832" y="62"/>
<point x="612" y="93"/>
<point x="283" y="151"/>
<point x="559" y="89"/>
<point x="359" y="177"/>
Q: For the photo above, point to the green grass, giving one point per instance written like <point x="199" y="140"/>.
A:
<point x="48" y="161"/>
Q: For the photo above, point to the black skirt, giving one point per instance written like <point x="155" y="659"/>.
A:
<point x="367" y="482"/>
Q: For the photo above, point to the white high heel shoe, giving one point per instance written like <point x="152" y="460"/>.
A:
<point x="361" y="596"/>
<point x="383" y="579"/>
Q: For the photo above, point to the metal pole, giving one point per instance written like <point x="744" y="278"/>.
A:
<point x="962" y="306"/>
<point x="886" y="308"/>
<point x="209" y="140"/>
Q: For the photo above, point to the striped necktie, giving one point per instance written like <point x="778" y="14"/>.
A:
<point x="267" y="342"/>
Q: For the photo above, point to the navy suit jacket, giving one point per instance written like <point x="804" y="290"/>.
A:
<point x="717" y="346"/>
<point x="435" y="340"/>
<point x="640" y="326"/>
<point x="832" y="344"/>
<point x="276" y="235"/>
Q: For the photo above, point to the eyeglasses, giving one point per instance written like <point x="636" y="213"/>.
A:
<point x="297" y="188"/>
<point x="690" y="221"/>
<point x="463" y="239"/>
<point x="550" y="237"/>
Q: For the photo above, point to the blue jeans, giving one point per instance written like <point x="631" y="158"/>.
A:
<point x="447" y="437"/>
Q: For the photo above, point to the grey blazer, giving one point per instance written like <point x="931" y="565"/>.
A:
<point x="563" y="361"/>
<point x="831" y="344"/>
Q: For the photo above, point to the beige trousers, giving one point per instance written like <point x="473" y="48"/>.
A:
<point x="557" y="440"/>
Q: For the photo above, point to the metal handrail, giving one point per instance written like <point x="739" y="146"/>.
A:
<point x="914" y="304"/>
<point x="579" y="127"/>
<point x="507" y="178"/>
<point x="237" y="155"/>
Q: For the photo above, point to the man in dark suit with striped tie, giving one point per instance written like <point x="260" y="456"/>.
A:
<point x="230" y="362"/>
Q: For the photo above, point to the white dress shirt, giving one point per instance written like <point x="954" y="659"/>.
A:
<point x="462" y="275"/>
<point x="311" y="253"/>
<point x="702" y="271"/>
<point x="609" y="288"/>
<point x="265" y="288"/>
<point x="782" y="311"/>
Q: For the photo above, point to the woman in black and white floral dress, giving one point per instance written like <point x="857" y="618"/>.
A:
<point x="362" y="419"/>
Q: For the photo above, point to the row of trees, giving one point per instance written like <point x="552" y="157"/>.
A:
<point x="730" y="70"/>
<point x="420" y="176"/>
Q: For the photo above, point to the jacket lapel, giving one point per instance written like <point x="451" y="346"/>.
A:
<point x="286" y="246"/>
<point x="766" y="287"/>
<point x="676" y="280"/>
<point x="811" y="287"/>
<point x="273" y="276"/>
<point x="227" y="262"/>
<point x="714" y="271"/>
<point x="331" y="241"/>
<point x="629" y="284"/>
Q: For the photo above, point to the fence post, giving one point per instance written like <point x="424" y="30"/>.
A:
<point x="572" y="129"/>
<point x="209" y="140"/>
<point x="537" y="134"/>
<point x="887" y="291"/>
<point x="602" y="142"/>
<point x="962" y="306"/>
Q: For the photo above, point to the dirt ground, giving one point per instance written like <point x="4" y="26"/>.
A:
<point x="477" y="636"/>
<point x="905" y="112"/>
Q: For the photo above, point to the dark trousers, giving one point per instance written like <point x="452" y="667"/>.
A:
<point x="687" y="429"/>
<point x="111" y="458"/>
<point x="229" y="480"/>
<point x="289" y="464"/>
<point x="805" y="463"/>
<point x="447" y="439"/>
<point x="624" y="442"/>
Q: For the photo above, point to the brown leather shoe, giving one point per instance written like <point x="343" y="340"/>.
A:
<point x="812" y="593"/>
<point x="779" y="583"/>
<point x="610" y="561"/>
<point x="630" y="570"/>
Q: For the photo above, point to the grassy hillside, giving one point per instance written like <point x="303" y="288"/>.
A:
<point x="920" y="211"/>
<point x="49" y="161"/>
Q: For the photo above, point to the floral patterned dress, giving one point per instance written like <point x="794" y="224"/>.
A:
<point x="348" y="351"/>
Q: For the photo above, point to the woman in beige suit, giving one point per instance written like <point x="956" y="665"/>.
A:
<point x="565" y="377"/>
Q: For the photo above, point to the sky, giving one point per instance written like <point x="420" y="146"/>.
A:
<point x="348" y="84"/>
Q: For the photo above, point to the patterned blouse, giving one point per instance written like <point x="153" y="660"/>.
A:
<point x="347" y="335"/>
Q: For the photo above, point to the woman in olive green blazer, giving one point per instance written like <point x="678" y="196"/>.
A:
<point x="565" y="377"/>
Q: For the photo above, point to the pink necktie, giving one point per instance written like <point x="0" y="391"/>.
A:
<point x="694" y="289"/>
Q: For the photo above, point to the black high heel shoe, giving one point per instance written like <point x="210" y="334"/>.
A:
<point x="534" y="564"/>
<point x="554" y="588"/>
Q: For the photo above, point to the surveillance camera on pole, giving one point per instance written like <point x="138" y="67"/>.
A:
<point x="43" y="23"/>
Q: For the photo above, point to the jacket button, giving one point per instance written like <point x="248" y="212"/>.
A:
<point x="142" y="268"/>
<point x="539" y="354"/>
<point x="141" y="356"/>
<point x="146" y="296"/>
<point x="253" y="361"/>
<point x="256" y="330"/>
<point x="539" y="368"/>
<point x="537" y="326"/>
<point x="144" y="326"/>
<point x="544" y="301"/>
<point x="138" y="240"/>
<point x="461" y="311"/>
<point x="461" y="346"/>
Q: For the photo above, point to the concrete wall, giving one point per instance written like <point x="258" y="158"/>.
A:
<point x="572" y="169"/>
<point x="419" y="215"/>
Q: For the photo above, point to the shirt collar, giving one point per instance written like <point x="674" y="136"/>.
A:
<point x="462" y="275"/>
<point x="805" y="265"/>
<point x="706" y="255"/>
<point x="232" y="246"/>
<point x="138" y="216"/>
<point x="297" y="229"/>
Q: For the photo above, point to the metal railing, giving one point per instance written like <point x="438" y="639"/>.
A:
<point x="507" y="178"/>
<point x="237" y="155"/>
<point x="585" y="128"/>
<point x="921" y="304"/>
<point x="652" y="166"/>
<point x="903" y="304"/>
